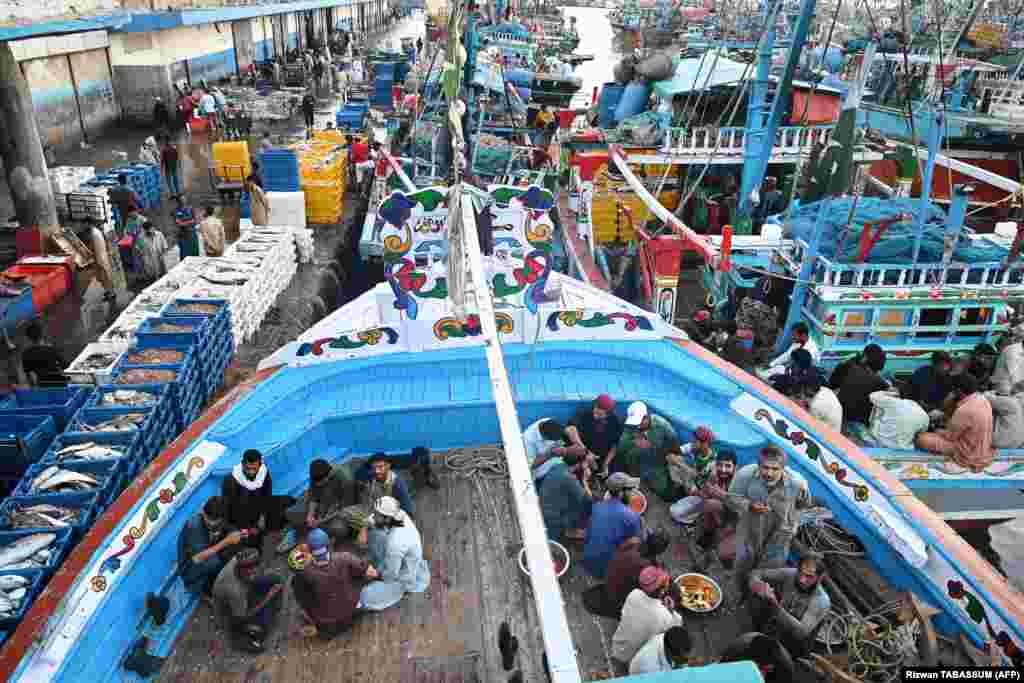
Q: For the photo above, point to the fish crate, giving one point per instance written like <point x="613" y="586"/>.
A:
<point x="86" y="502"/>
<point x="60" y="546"/>
<point x="23" y="441"/>
<point x="128" y="443"/>
<point x="80" y="372"/>
<point x="188" y="375"/>
<point x="159" y="392"/>
<point x="60" y="403"/>
<point x="147" y="337"/>
<point x="154" y="417"/>
<point x="36" y="581"/>
<point x="109" y="473"/>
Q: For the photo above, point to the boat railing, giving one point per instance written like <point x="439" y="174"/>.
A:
<point x="835" y="274"/>
<point x="709" y="140"/>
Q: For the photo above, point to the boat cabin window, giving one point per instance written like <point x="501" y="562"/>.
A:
<point x="856" y="317"/>
<point x="893" y="318"/>
<point x="934" y="317"/>
<point x="981" y="316"/>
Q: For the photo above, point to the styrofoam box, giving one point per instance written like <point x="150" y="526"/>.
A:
<point x="101" y="376"/>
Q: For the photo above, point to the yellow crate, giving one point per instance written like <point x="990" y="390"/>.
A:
<point x="231" y="160"/>
<point x="604" y="213"/>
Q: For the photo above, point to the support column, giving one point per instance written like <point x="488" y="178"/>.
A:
<point x="22" y="151"/>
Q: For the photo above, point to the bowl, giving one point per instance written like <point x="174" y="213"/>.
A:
<point x="559" y="555"/>
<point x="638" y="502"/>
<point x="700" y="584"/>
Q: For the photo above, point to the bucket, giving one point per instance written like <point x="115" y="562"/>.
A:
<point x="559" y="555"/>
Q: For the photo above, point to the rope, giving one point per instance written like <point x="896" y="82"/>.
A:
<point x="471" y="462"/>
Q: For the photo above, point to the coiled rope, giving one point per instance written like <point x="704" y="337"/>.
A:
<point x="488" y="463"/>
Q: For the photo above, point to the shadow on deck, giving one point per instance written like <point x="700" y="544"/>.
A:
<point x="449" y="633"/>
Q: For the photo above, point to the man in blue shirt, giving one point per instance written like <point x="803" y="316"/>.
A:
<point x="565" y="500"/>
<point x="205" y="545"/>
<point x="931" y="384"/>
<point x="611" y="523"/>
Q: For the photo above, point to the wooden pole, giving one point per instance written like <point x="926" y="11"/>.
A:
<point x="22" y="151"/>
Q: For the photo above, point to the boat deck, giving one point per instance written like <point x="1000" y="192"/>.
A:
<point x="449" y="633"/>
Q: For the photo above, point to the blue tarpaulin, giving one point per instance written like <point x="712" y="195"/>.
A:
<point x="698" y="73"/>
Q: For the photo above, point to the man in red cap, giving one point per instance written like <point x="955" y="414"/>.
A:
<point x="649" y="610"/>
<point x="598" y="429"/>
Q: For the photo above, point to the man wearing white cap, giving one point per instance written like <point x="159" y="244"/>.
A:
<point x="396" y="549"/>
<point x="1009" y="370"/>
<point x="646" y="441"/>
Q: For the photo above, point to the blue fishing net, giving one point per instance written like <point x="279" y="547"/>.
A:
<point x="840" y="243"/>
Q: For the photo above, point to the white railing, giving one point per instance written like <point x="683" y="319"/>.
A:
<point x="789" y="140"/>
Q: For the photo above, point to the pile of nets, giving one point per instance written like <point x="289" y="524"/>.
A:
<point x="840" y="243"/>
<point x="493" y="155"/>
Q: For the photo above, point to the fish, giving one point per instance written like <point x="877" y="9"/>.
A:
<point x="36" y="516"/>
<point x="10" y="582"/>
<point x="54" y="479"/>
<point x="25" y="548"/>
<point x="121" y="423"/>
<point x="127" y="397"/>
<point x="93" y="452"/>
<point x="75" y="448"/>
<point x="18" y="594"/>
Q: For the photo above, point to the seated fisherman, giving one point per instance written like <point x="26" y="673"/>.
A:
<point x="860" y="381"/>
<point x="967" y="438"/>
<point x="715" y="520"/>
<point x="767" y="497"/>
<point x="795" y="608"/>
<point x="1007" y="420"/>
<point x="820" y="401"/>
<point x="930" y="384"/>
<point x="646" y="442"/>
<point x="249" y="500"/>
<point x="895" y="419"/>
<point x="648" y="611"/>
<point x="767" y="653"/>
<point x="598" y="429"/>
<point x="321" y="507"/>
<point x="611" y="523"/>
<point x="205" y="545"/>
<point x="801" y="336"/>
<point x="326" y="592"/>
<point x="566" y="498"/>
<point x="632" y="557"/>
<point x="692" y="466"/>
<point x="666" y="651"/>
<point x="395" y="547"/>
<point x="252" y="600"/>
<point x="375" y="479"/>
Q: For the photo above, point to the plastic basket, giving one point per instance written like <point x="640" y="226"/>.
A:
<point x="109" y="473"/>
<point x="159" y="392"/>
<point x="60" y="546"/>
<point x="23" y="440"/>
<point x="146" y="337"/>
<point x="36" y="580"/>
<point x="173" y="309"/>
<point x="86" y="503"/>
<point x="93" y="416"/>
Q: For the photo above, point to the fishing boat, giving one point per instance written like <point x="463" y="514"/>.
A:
<point x="510" y="342"/>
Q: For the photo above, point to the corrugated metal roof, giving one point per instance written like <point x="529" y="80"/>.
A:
<point x="59" y="28"/>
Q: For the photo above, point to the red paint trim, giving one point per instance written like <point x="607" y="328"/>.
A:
<point x="960" y="552"/>
<point x="49" y="601"/>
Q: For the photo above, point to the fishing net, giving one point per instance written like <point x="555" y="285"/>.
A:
<point x="643" y="129"/>
<point x="840" y="238"/>
<point x="493" y="156"/>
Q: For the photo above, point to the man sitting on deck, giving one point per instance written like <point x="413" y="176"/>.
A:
<point x="248" y="496"/>
<point x="895" y="420"/>
<point x="707" y="501"/>
<point x="205" y="545"/>
<point x="396" y="548"/>
<point x="252" y="601"/>
<point x="931" y="384"/>
<point x="611" y="523"/>
<point x="1007" y="420"/>
<point x="768" y="654"/>
<point x="801" y="340"/>
<point x="598" y="429"/>
<point x="795" y="608"/>
<point x="767" y="498"/>
<point x="326" y="590"/>
<point x="1009" y="370"/>
<point x="967" y="438"/>
<point x="820" y="401"/>
<point x="565" y="498"/>
<point x="649" y="610"/>
<point x="667" y="651"/>
<point x="321" y="507"/>
<point x="690" y="478"/>
<point x="646" y="442"/>
<point x="632" y="557"/>
<point x="861" y="380"/>
<point x="375" y="479"/>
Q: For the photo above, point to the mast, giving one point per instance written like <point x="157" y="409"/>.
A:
<point x="760" y="138"/>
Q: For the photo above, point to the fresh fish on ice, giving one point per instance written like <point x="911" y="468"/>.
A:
<point x="12" y="582"/>
<point x="121" y="423"/>
<point x="88" y="451"/>
<point x="25" y="548"/>
<point x="127" y="397"/>
<point x="40" y="516"/>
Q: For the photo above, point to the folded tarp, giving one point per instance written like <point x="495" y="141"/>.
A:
<point x="703" y="72"/>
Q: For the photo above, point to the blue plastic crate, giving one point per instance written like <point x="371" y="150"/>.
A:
<point x="85" y="502"/>
<point x="173" y="308"/>
<point x="36" y="580"/>
<point x="17" y="309"/>
<point x="158" y="391"/>
<point x="92" y="416"/>
<point x="60" y="546"/>
<point x="126" y="442"/>
<point x="23" y="440"/>
<point x="60" y="403"/>
<point x="147" y="338"/>
<point x="108" y="472"/>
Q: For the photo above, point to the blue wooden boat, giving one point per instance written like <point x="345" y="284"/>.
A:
<point x="401" y="367"/>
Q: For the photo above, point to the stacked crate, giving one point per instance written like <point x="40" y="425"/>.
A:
<point x="220" y="342"/>
<point x="352" y="115"/>
<point x="280" y="170"/>
<point x="323" y="167"/>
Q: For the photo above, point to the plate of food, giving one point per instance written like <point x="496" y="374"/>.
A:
<point x="699" y="593"/>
